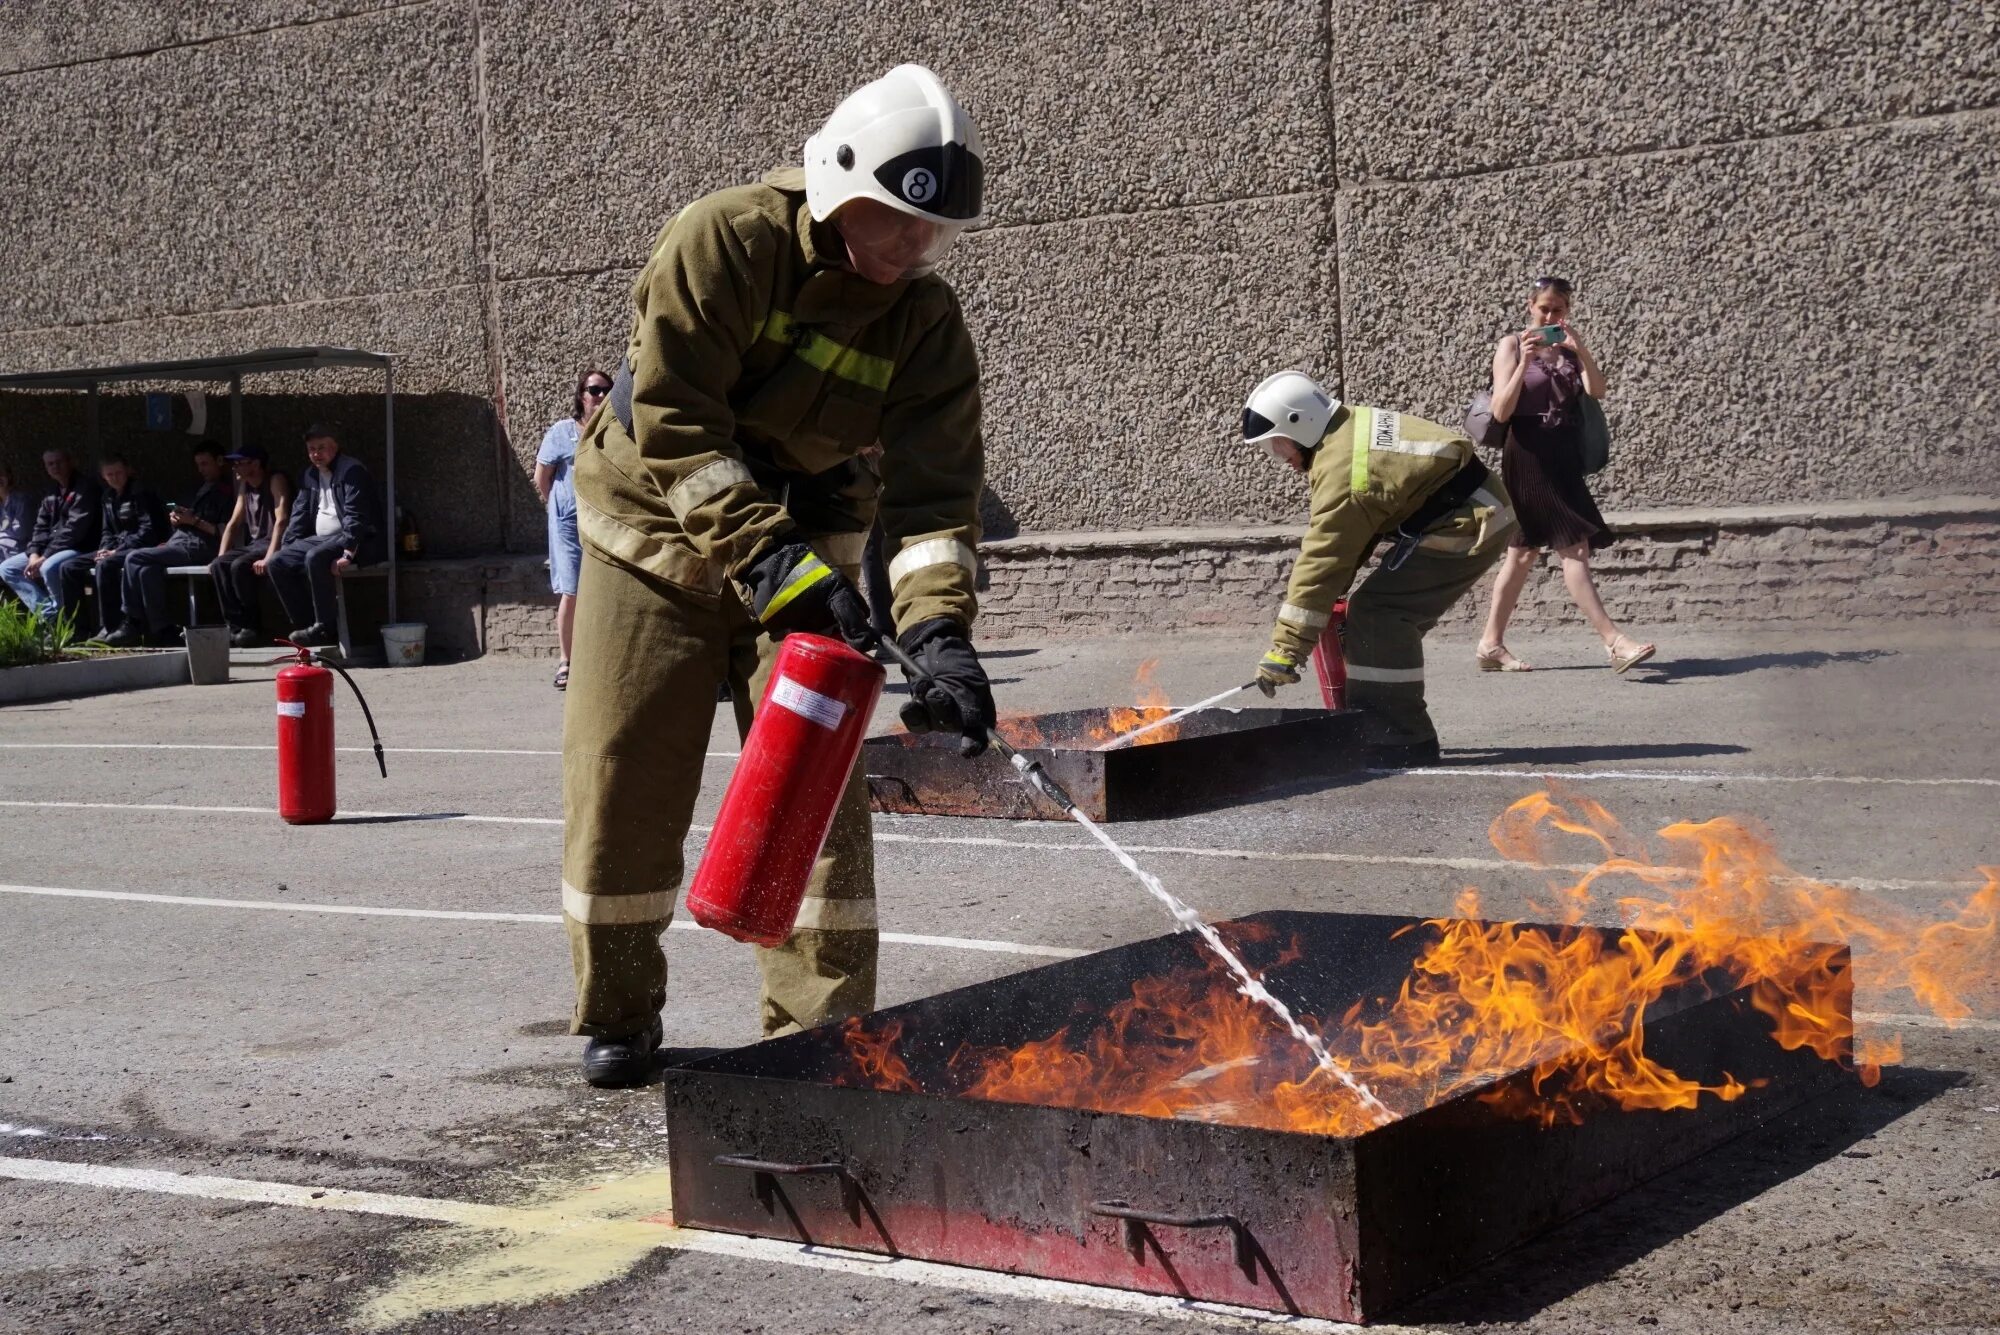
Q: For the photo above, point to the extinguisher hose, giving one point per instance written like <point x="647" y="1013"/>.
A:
<point x="1031" y="771"/>
<point x="365" y="712"/>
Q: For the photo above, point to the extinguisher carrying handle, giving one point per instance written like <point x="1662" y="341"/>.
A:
<point x="302" y="654"/>
<point x="1031" y="771"/>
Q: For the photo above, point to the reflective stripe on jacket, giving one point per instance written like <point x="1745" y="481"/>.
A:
<point x="1373" y="469"/>
<point x="760" y="372"/>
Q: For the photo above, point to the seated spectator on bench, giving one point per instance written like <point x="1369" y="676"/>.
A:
<point x="336" y="525"/>
<point x="17" y="515"/>
<point x="133" y="518"/>
<point x="196" y="527"/>
<point x="249" y="541"/>
<point x="67" y="523"/>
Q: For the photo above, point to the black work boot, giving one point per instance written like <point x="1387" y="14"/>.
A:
<point x="315" y="636"/>
<point x="243" y="637"/>
<point x="621" y="1063"/>
<point x="126" y="636"/>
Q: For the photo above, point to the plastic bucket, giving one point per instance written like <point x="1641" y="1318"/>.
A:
<point x="403" y="643"/>
<point x="208" y="655"/>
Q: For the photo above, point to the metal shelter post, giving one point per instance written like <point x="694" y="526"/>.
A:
<point x="389" y="520"/>
<point x="94" y="427"/>
<point x="236" y="414"/>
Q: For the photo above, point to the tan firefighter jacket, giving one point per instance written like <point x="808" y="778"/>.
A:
<point x="760" y="370"/>
<point x="1373" y="470"/>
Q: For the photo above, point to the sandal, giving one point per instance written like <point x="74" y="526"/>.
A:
<point x="1638" y="654"/>
<point x="1499" y="659"/>
<point x="561" y="682"/>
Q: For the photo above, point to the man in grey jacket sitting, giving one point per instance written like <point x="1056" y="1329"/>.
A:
<point x="336" y="524"/>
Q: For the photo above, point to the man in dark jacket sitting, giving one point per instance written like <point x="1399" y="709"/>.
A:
<point x="133" y="518"/>
<point x="196" y="526"/>
<point x="66" y="528"/>
<point x="336" y="524"/>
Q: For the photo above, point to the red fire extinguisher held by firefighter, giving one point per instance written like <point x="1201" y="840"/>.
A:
<point x="781" y="800"/>
<point x="305" y="736"/>
<point x="1330" y="659"/>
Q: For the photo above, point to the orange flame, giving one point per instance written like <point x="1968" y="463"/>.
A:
<point x="875" y="1057"/>
<point x="1720" y="912"/>
<point x="1153" y="702"/>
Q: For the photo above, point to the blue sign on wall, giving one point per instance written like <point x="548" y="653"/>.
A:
<point x="159" y="412"/>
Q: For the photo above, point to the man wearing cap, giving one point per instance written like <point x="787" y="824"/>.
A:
<point x="249" y="541"/>
<point x="335" y="525"/>
<point x="724" y="495"/>
<point x="195" y="528"/>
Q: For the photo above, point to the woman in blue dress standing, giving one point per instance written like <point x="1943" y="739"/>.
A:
<point x="552" y="482"/>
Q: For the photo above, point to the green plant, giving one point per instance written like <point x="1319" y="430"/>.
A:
<point x="20" y="640"/>
<point x="26" y="638"/>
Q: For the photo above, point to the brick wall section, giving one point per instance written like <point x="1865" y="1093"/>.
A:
<point x="1853" y="561"/>
<point x="498" y="604"/>
<point x="1938" y="558"/>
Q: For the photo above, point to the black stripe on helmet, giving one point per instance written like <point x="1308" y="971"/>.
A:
<point x="1255" y="424"/>
<point x="946" y="180"/>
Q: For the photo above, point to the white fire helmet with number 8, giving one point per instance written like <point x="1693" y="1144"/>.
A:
<point x="1291" y="405"/>
<point x="903" y="141"/>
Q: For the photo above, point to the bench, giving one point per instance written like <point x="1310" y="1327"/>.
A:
<point x="380" y="570"/>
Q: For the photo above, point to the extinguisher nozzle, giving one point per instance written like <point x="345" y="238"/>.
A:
<point x="380" y="762"/>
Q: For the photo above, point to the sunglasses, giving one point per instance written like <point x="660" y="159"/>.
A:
<point x="1561" y="285"/>
<point x="596" y="391"/>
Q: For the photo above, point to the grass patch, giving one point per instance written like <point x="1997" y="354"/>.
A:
<point x="26" y="640"/>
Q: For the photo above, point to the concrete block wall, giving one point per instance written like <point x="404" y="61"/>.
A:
<point x="1782" y="218"/>
<point x="1780" y="564"/>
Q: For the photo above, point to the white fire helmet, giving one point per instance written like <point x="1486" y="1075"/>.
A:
<point x="903" y="141"/>
<point x="1291" y="405"/>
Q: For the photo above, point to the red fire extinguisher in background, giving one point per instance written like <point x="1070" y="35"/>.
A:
<point x="780" y="803"/>
<point x="1330" y="659"/>
<point x="305" y="737"/>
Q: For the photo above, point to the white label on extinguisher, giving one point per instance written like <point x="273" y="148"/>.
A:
<point x="291" y="709"/>
<point x="808" y="703"/>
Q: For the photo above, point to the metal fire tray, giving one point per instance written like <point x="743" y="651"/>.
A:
<point x="763" y="1141"/>
<point x="1213" y="759"/>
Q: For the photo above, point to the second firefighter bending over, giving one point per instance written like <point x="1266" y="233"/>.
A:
<point x="1379" y="479"/>
<point x="724" y="493"/>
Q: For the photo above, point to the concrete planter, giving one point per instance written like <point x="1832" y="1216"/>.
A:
<point x="93" y="676"/>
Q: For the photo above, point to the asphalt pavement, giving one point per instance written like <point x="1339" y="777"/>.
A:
<point x="268" y="1078"/>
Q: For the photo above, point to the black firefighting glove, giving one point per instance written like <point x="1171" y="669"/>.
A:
<point x="953" y="693"/>
<point x="791" y="588"/>
<point x="1278" y="668"/>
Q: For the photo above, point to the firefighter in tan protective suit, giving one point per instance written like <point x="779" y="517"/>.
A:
<point x="724" y="493"/>
<point x="1377" y="477"/>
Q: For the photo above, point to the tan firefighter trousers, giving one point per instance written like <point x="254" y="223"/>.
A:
<point x="646" y="660"/>
<point x="1392" y="611"/>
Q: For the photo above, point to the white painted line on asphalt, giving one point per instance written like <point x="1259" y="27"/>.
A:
<point x="436" y="817"/>
<point x="682" y="925"/>
<point x="245" y="746"/>
<point x="1466" y="771"/>
<point x="1975" y="1024"/>
<point x="1472" y="771"/>
<point x="274" y="905"/>
<point x="1877" y="885"/>
<point x="767" y="1251"/>
<point x="471" y="915"/>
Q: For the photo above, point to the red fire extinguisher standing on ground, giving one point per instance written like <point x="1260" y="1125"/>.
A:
<point x="788" y="781"/>
<point x="305" y="737"/>
<point x="1330" y="659"/>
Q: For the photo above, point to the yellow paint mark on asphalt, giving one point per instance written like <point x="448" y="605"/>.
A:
<point x="526" y="1254"/>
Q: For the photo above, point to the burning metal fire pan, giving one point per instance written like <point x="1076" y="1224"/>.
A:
<point x="762" y="1142"/>
<point x="1217" y="758"/>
